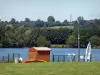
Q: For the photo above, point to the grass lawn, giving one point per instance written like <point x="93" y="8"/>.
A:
<point x="72" y="68"/>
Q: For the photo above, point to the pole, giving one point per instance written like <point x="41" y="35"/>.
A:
<point x="78" y="46"/>
<point x="8" y="57"/>
<point x="63" y="58"/>
<point x="52" y="58"/>
<point x="13" y="56"/>
<point x="58" y="58"/>
<point x="3" y="58"/>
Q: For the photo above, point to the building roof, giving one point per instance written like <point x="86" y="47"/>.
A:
<point x="42" y="48"/>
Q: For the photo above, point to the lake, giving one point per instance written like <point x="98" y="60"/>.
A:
<point x="56" y="51"/>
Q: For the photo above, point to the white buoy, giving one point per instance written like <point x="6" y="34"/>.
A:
<point x="81" y="57"/>
<point x="20" y="59"/>
<point x="73" y="54"/>
<point x="68" y="54"/>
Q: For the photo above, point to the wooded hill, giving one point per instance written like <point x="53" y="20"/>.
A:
<point x="30" y="33"/>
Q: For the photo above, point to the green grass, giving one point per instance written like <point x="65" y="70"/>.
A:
<point x="73" y="68"/>
<point x="57" y="27"/>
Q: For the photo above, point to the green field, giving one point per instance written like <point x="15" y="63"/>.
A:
<point x="73" y="68"/>
<point x="57" y="27"/>
<point x="59" y="46"/>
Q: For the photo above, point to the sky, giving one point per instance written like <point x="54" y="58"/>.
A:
<point x="41" y="9"/>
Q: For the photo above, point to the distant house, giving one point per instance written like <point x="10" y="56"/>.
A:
<point x="70" y="23"/>
<point x="39" y="54"/>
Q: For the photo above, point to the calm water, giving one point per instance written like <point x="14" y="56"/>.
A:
<point x="56" y="51"/>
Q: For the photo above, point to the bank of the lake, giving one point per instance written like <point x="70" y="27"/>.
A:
<point x="66" y="46"/>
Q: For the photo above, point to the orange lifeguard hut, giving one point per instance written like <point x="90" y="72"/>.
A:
<point x="39" y="54"/>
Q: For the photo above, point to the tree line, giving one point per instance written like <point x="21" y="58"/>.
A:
<point x="80" y="22"/>
<point x="36" y="33"/>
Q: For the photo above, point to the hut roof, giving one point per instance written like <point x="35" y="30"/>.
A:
<point x="42" y="48"/>
<point x="39" y="49"/>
